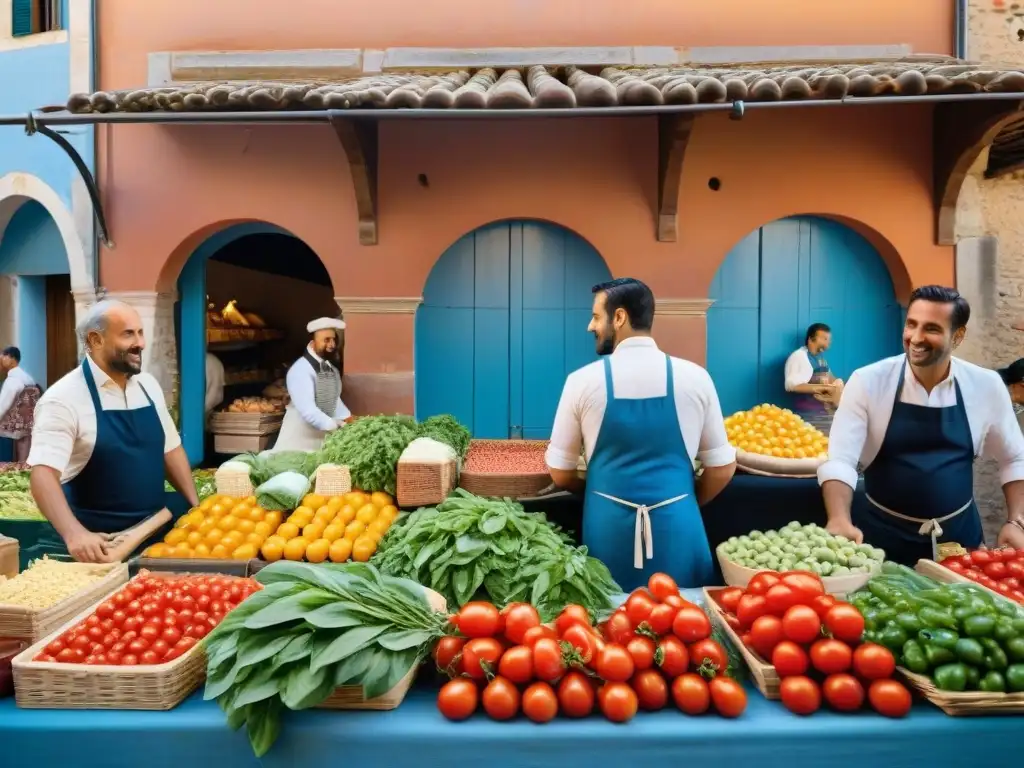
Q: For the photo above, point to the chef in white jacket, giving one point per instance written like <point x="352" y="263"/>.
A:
<point x="314" y="387"/>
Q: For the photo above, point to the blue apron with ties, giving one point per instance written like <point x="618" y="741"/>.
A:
<point x="920" y="487"/>
<point x="811" y="410"/>
<point x="640" y="514"/>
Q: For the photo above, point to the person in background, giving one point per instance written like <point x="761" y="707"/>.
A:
<point x="214" y="382"/>
<point x="314" y="387"/>
<point x="809" y="379"/>
<point x="641" y="418"/>
<point x="916" y="422"/>
<point x="18" y="396"/>
<point x="103" y="440"/>
<point x="1013" y="377"/>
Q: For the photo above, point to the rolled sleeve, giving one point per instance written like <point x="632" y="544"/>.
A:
<point x="1004" y="441"/>
<point x="848" y="434"/>
<point x="54" y="431"/>
<point x="563" y="451"/>
<point x="714" y="449"/>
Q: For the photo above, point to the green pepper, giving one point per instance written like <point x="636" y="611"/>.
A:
<point x="1015" y="678"/>
<point x="937" y="618"/>
<point x="870" y="636"/>
<point x="944" y="638"/>
<point x="936" y="655"/>
<point x="909" y="623"/>
<point x="885" y="615"/>
<point x="1018" y="624"/>
<point x="962" y="612"/>
<point x="884" y="592"/>
<point x="914" y="658"/>
<point x="979" y="626"/>
<point x="1007" y="609"/>
<point x="992" y="682"/>
<point x="870" y="618"/>
<point x="893" y="637"/>
<point x="950" y="677"/>
<point x="1004" y="631"/>
<point x="969" y="651"/>
<point x="1014" y="648"/>
<point x="940" y="596"/>
<point x="995" y="656"/>
<point x="973" y="677"/>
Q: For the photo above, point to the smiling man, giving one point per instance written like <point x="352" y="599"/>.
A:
<point x="103" y="439"/>
<point x="916" y="422"/>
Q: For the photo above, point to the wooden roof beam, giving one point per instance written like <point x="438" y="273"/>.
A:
<point x="673" y="138"/>
<point x="359" y="139"/>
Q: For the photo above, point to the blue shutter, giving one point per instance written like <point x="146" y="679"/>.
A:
<point x="21" y="21"/>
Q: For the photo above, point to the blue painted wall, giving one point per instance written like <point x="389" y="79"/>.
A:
<point x="503" y="321"/>
<point x="778" y="281"/>
<point x="32" y="325"/>
<point x="31" y="244"/>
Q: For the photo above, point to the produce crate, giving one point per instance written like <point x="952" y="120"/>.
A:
<point x="226" y="423"/>
<point x="761" y="672"/>
<point x="8" y="650"/>
<point x="22" y="623"/>
<point x="9" y="549"/>
<point x="939" y="572"/>
<point x="505" y="484"/>
<point x="739" y="576"/>
<point x="423" y="484"/>
<point x="234" y="444"/>
<point x="968" y="703"/>
<point x="239" y="568"/>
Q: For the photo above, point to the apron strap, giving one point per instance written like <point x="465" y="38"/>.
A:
<point x="643" y="538"/>
<point x="929" y="527"/>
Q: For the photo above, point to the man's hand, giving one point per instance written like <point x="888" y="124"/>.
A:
<point x="87" y="547"/>
<point x="845" y="529"/>
<point x="1010" y="535"/>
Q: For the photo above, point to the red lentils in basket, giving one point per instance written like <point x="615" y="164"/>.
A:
<point x="512" y="457"/>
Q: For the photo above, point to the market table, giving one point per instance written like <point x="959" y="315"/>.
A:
<point x="416" y="735"/>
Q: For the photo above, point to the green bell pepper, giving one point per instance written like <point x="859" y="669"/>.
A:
<point x="1004" y="631"/>
<point x="944" y="638"/>
<point x="992" y="682"/>
<point x="979" y="626"/>
<point x="932" y="617"/>
<point x="940" y="596"/>
<point x="969" y="651"/>
<point x="893" y="637"/>
<point x="909" y="623"/>
<point x="1015" y="678"/>
<point x="884" y="592"/>
<point x="973" y="677"/>
<point x="951" y="677"/>
<point x="936" y="655"/>
<point x="914" y="658"/>
<point x="995" y="656"/>
<point x="1014" y="648"/>
<point x="1007" y="609"/>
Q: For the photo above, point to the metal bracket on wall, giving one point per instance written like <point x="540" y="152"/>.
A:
<point x="360" y="141"/>
<point x="673" y="137"/>
<point x="33" y="127"/>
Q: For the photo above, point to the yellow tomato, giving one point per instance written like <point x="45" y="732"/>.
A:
<point x="195" y="537"/>
<point x="288" y="531"/>
<point x="378" y="527"/>
<point x="354" y="529"/>
<point x="240" y="510"/>
<point x="232" y="539"/>
<point x="318" y="550"/>
<point x="245" y="526"/>
<point x="325" y="514"/>
<point x="340" y="550"/>
<point x="255" y="539"/>
<point x="388" y="512"/>
<point x="313" y="531"/>
<point x="219" y="552"/>
<point x="295" y="549"/>
<point x="262" y="528"/>
<point x="313" y="501"/>
<point x="333" y="532"/>
<point x="380" y="499"/>
<point x="218" y="510"/>
<point x="256" y="514"/>
<point x="175" y="536"/>
<point x="206" y="503"/>
<point x="363" y="549"/>
<point x="207" y="525"/>
<point x="273" y="548"/>
<point x="356" y="499"/>
<point x="366" y="514"/>
<point x="181" y="550"/>
<point x="301" y="519"/>
<point x="346" y="514"/>
<point x="227" y="523"/>
<point x="303" y="510"/>
<point x="244" y="552"/>
<point x="273" y="519"/>
<point x="158" y="550"/>
<point x="201" y="551"/>
<point x="335" y="503"/>
<point x="213" y="536"/>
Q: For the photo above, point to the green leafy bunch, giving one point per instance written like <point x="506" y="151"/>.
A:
<point x="370" y="447"/>
<point x="447" y="429"/>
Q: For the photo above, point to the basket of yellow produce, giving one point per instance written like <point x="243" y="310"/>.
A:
<point x="774" y="441"/>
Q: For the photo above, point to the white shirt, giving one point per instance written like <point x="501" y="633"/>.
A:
<point x="638" y="372"/>
<point x="214" y="382"/>
<point x="17" y="379"/>
<point x="64" y="433"/>
<point x="301" y="384"/>
<point x="798" y="369"/>
<point x="862" y="418"/>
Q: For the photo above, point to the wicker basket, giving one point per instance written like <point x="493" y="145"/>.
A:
<point x="761" y="672"/>
<point x="422" y="483"/>
<point x="739" y="576"/>
<point x="33" y="625"/>
<point x="234" y="484"/>
<point x="51" y="685"/>
<point x="968" y="703"/>
<point x="502" y="484"/>
<point x="9" y="553"/>
<point x="939" y="572"/>
<point x="332" y="480"/>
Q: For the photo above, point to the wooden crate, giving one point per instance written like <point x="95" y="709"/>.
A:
<point x="761" y="672"/>
<point x="502" y="484"/>
<point x="939" y="572"/>
<point x="9" y="553"/>
<point x="968" y="703"/>
<point x="242" y="443"/>
<point x="32" y="625"/>
<point x="227" y="423"/>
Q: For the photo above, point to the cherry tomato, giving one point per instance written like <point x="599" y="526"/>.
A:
<point x="749" y="608"/>
<point x="66" y="656"/>
<point x="160" y="648"/>
<point x="1015" y="568"/>
<point x="661" y="618"/>
<point x="547" y="660"/>
<point x="995" y="570"/>
<point x="800" y="695"/>
<point x="762" y="582"/>
<point x="149" y="658"/>
<point x="516" y="664"/>
<point x="447" y="654"/>
<point x="889" y="698"/>
<point x="576" y="695"/>
<point x="789" y="659"/>
<point x="690" y="693"/>
<point x="618" y="702"/>
<point x="728" y="696"/>
<point x="479" y="655"/>
<point x="105" y="610"/>
<point x="571" y="614"/>
<point x="801" y="624"/>
<point x="691" y="624"/>
<point x="765" y="633"/>
<point x="533" y="634"/>
<point x="642" y="650"/>
<point x="661" y="585"/>
<point x="458" y="699"/>
<point x="171" y="635"/>
<point x="479" y="619"/>
<point x="676" y="601"/>
<point x="614" y="664"/>
<point x="672" y="656"/>
<point x="954" y="565"/>
<point x="781" y="597"/>
<point x="129" y="660"/>
<point x="873" y="662"/>
<point x="844" y="693"/>
<point x="580" y="638"/>
<point x="831" y="657"/>
<point x="54" y="648"/>
<point x="520" y="617"/>
<point x="149" y="633"/>
<point x="981" y="557"/>
<point x="639" y="607"/>
<point x="807" y="585"/>
<point x="540" y="703"/>
<point x="709" y="651"/>
<point x="500" y="699"/>
<point x="651" y="690"/>
<point x="730" y="598"/>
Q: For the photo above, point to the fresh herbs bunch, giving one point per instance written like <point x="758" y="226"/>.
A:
<point x="470" y="546"/>
<point x="370" y="448"/>
<point x="314" y="628"/>
<point x="447" y="429"/>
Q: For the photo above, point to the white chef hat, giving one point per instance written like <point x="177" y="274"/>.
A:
<point x="325" y="323"/>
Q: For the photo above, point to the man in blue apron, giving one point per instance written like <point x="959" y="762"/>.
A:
<point x="809" y="379"/>
<point x="639" y="416"/>
<point x="915" y="423"/>
<point x="103" y="439"/>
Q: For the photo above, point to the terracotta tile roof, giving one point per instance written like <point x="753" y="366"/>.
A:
<point x="567" y="87"/>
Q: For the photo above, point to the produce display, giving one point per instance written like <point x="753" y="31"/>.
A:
<point x="1001" y="570"/>
<point x="655" y="648"/>
<point x="16" y="502"/>
<point x="47" y="582"/>
<point x="335" y="529"/>
<point x="264" y="466"/>
<point x="206" y="484"/>
<point x="501" y="457"/>
<point x="220" y="528"/>
<point x="769" y="430"/>
<point x="254" y="405"/>
<point x="816" y="644"/>
<point x="151" y="620"/>
<point x="470" y="547"/>
<point x="959" y="636"/>
<point x="797" y="547"/>
<point x="314" y="628"/>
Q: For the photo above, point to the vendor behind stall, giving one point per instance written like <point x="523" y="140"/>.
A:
<point x="810" y="380"/>
<point x="1013" y="377"/>
<point x="641" y="417"/>
<point x="18" y="396"/>
<point x="314" y="387"/>
<point x="103" y="440"/>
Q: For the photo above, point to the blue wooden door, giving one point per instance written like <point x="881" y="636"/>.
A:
<point x="503" y="321"/>
<point x="778" y="281"/>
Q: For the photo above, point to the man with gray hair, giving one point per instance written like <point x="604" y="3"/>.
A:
<point x="103" y="439"/>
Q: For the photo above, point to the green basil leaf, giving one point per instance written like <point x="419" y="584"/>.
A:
<point x="299" y="648"/>
<point x="352" y="669"/>
<point x="218" y="685"/>
<point x="264" y="725"/>
<point x="261" y="686"/>
<point x="258" y="646"/>
<point x="287" y="609"/>
<point x="344" y="646"/>
<point x="426" y="553"/>
<point x="306" y="687"/>
<point x="334" y="616"/>
<point x="540" y="586"/>
<point x="405" y="639"/>
<point x="376" y="678"/>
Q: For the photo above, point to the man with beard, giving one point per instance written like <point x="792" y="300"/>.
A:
<point x="641" y="418"/>
<point x="103" y="439"/>
<point x="915" y="423"/>
<point x="809" y="379"/>
<point x="314" y="388"/>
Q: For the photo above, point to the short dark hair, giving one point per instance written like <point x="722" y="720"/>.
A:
<point x="940" y="294"/>
<point x="812" y="331"/>
<point x="633" y="296"/>
<point x="1013" y="373"/>
<point x="12" y="352"/>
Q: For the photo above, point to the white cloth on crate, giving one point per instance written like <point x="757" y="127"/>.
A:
<point x="305" y="424"/>
<point x="214" y="382"/>
<point x="638" y="371"/>
<point x="17" y="379"/>
<point x="862" y="418"/>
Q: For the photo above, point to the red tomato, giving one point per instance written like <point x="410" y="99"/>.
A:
<point x="105" y="610"/>
<point x="580" y="638"/>
<point x="540" y="703"/>
<point x="765" y="634"/>
<point x="576" y="695"/>
<point x="149" y="658"/>
<point x="981" y="557"/>
<point x="807" y="585"/>
<point x="1015" y="568"/>
<point x="66" y="656"/>
<point x="661" y="618"/>
<point x="661" y="586"/>
<point x="709" y="651"/>
<point x="749" y="608"/>
<point x="954" y="565"/>
<point x="129" y="660"/>
<point x="520" y="617"/>
<point x="844" y="693"/>
<point x="547" y="660"/>
<point x="691" y="624"/>
<point x="618" y="628"/>
<point x="801" y="624"/>
<point x="800" y="695"/>
<point x="480" y="655"/>
<point x="171" y="635"/>
<point x="690" y="693"/>
<point x="55" y="647"/>
<point x="676" y="601"/>
<point x="845" y="623"/>
<point x="516" y="664"/>
<point x="148" y="633"/>
<point x="730" y="598"/>
<point x="831" y="657"/>
<point x="728" y="696"/>
<point x="672" y="656"/>
<point x="782" y="597"/>
<point x="822" y="604"/>
<point x="458" y="699"/>
<point x="762" y="582"/>
<point x="642" y="650"/>
<point x="639" y="607"/>
<point x="447" y="653"/>
<point x="571" y="614"/>
<point x="500" y="699"/>
<point x="614" y="664"/>
<point x="995" y="570"/>
<point x="889" y="698"/>
<point x="618" y="702"/>
<point x="532" y="635"/>
<point x="789" y="659"/>
<point x="479" y="619"/>
<point x="651" y="690"/>
<point x="873" y="662"/>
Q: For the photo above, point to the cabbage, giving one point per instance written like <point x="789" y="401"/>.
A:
<point x="283" y="491"/>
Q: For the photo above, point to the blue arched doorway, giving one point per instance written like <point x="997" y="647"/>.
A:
<point x="503" y="321"/>
<point x="776" y="282"/>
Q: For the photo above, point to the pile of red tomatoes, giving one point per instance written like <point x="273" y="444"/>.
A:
<point x="1001" y="570"/>
<point x="654" y="649"/>
<point x="814" y="643"/>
